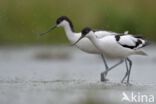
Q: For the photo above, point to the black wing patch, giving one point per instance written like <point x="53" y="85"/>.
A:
<point x="137" y="43"/>
<point x="117" y="37"/>
<point x="126" y="46"/>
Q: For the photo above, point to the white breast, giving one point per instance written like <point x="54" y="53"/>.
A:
<point x="111" y="48"/>
<point x="87" y="46"/>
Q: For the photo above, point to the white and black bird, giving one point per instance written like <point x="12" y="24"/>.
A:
<point x="117" y="46"/>
<point x="85" y="44"/>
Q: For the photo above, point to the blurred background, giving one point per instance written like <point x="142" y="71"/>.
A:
<point x="46" y="70"/>
<point x="21" y="20"/>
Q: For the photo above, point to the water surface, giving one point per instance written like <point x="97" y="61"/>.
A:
<point x="65" y="75"/>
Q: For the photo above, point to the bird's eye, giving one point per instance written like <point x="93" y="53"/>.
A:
<point x="58" y="21"/>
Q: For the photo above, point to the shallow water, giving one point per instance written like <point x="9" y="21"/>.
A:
<point x="65" y="75"/>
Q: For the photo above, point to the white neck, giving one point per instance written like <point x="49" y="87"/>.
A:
<point x="70" y="33"/>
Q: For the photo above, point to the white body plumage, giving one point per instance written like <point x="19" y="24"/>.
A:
<point x="118" y="48"/>
<point x="85" y="44"/>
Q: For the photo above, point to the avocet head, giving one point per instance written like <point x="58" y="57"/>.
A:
<point x="86" y="32"/>
<point x="61" y="22"/>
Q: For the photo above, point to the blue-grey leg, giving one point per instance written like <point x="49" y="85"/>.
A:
<point x="103" y="77"/>
<point x="126" y="72"/>
<point x="105" y="62"/>
<point x="130" y="67"/>
<point x="106" y="72"/>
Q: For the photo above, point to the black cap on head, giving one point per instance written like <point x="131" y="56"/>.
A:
<point x="62" y="18"/>
<point x="86" y="30"/>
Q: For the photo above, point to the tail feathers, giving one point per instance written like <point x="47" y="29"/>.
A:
<point x="147" y="43"/>
<point x="143" y="43"/>
<point x="139" y="52"/>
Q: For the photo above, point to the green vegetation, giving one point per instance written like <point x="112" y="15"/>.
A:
<point x="22" y="20"/>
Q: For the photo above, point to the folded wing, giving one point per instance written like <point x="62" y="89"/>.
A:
<point x="132" y="42"/>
